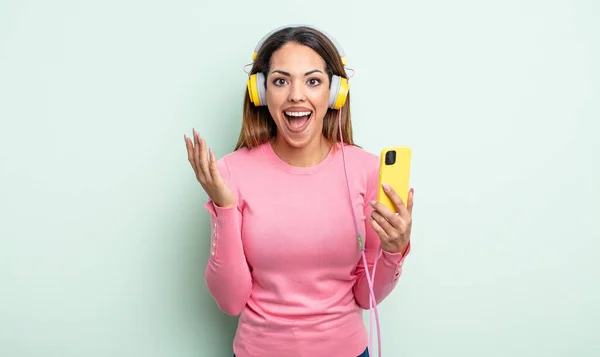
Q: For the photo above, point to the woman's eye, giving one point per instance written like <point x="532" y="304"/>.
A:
<point x="314" y="82"/>
<point x="279" y="82"/>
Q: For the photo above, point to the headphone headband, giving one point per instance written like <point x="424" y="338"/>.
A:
<point x="265" y="37"/>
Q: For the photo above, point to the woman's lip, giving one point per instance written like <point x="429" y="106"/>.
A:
<point x="297" y="109"/>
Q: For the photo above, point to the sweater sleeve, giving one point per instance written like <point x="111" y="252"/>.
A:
<point x="389" y="265"/>
<point x="227" y="274"/>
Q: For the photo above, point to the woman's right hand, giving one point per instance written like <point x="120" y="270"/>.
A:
<point x="207" y="172"/>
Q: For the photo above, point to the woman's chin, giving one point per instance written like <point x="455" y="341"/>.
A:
<point x="296" y="142"/>
<point x="300" y="139"/>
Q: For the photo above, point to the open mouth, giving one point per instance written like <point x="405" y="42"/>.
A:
<point x="297" y="121"/>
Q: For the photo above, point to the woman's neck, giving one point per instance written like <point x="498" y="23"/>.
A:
<point x="306" y="156"/>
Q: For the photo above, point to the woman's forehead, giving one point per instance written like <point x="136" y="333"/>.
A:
<point x="295" y="58"/>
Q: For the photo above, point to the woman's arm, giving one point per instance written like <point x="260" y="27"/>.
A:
<point x="389" y="265"/>
<point x="228" y="277"/>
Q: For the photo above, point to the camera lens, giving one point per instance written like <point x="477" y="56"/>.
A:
<point x="390" y="157"/>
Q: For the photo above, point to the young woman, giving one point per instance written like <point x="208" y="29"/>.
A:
<point x="285" y="212"/>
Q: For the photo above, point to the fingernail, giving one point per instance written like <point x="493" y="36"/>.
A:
<point x="372" y="203"/>
<point x="386" y="187"/>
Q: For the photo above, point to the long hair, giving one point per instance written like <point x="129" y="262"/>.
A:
<point x="258" y="126"/>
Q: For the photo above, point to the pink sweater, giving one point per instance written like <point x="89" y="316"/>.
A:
<point x="286" y="257"/>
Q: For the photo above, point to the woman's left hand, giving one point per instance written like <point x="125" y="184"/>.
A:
<point x="392" y="228"/>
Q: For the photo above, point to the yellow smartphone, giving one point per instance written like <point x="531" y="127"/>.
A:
<point x="394" y="169"/>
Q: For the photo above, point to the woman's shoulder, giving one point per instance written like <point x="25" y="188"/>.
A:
<point x="243" y="154"/>
<point x="362" y="163"/>
<point x="241" y="159"/>
<point x="361" y="156"/>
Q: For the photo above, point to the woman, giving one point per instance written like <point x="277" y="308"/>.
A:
<point x="284" y="253"/>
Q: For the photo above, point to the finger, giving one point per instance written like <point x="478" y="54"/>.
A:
<point x="190" y="150"/>
<point x="396" y="200"/>
<point x="385" y="212"/>
<point x="212" y="165"/>
<point x="395" y="219"/>
<point x="380" y="231"/>
<point x="385" y="224"/>
<point x="411" y="195"/>
<point x="196" y="141"/>
<point x="201" y="159"/>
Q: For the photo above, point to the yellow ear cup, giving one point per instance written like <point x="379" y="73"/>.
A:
<point x="257" y="90"/>
<point x="342" y="94"/>
<point x="253" y="90"/>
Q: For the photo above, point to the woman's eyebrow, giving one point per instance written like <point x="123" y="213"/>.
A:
<point x="287" y="74"/>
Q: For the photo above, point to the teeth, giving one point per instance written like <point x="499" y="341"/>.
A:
<point x="297" y="114"/>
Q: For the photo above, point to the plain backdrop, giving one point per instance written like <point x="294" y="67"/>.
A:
<point x="103" y="238"/>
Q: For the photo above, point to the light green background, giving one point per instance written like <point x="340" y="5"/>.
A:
<point x="103" y="235"/>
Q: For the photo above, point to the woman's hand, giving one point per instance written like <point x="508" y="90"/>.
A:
<point x="392" y="228"/>
<point x="207" y="172"/>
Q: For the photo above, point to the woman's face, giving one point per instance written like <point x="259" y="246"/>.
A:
<point x="297" y="94"/>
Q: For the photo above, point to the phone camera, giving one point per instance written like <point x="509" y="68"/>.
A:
<point x="390" y="157"/>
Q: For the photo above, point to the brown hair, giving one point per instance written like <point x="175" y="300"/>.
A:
<point x="257" y="124"/>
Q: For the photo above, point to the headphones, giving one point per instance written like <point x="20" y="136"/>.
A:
<point x="338" y="89"/>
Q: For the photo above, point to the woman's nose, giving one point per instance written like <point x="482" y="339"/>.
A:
<point x="296" y="92"/>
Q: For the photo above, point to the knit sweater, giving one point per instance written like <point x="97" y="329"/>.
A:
<point x="286" y="258"/>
